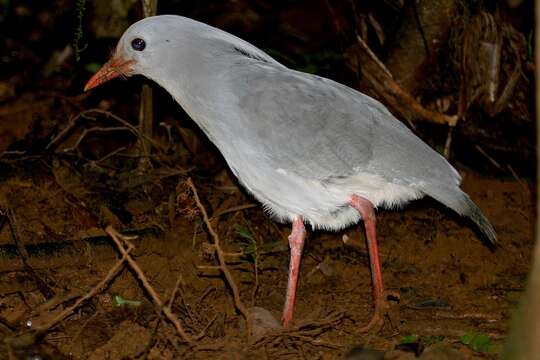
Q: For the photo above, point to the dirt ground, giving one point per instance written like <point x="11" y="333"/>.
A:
<point x="450" y="283"/>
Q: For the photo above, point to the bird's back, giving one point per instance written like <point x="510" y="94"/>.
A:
<point x="322" y="130"/>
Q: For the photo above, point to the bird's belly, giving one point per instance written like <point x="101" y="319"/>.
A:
<point x="323" y="204"/>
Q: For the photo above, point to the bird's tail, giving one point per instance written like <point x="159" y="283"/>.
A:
<point x="461" y="203"/>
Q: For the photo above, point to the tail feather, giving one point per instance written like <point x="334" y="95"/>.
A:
<point x="461" y="203"/>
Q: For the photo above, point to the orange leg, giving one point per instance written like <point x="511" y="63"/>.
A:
<point x="365" y="208"/>
<point x="296" y="243"/>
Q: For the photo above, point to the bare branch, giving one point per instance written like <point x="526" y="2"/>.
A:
<point x="220" y="256"/>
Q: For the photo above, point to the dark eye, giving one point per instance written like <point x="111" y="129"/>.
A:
<point x="138" y="44"/>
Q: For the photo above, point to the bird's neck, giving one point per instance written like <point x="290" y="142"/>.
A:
<point x="198" y="90"/>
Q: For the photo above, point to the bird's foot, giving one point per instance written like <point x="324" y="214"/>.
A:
<point x="382" y="311"/>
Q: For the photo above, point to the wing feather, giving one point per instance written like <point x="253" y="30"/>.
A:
<point x="320" y="129"/>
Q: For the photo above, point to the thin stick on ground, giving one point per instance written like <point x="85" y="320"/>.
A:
<point x="118" y="239"/>
<point x="153" y="336"/>
<point x="88" y="115"/>
<point x="232" y="209"/>
<point x="309" y="332"/>
<point x="43" y="288"/>
<point x="220" y="256"/>
<point x="95" y="129"/>
<point x="94" y="291"/>
<point x="175" y="290"/>
<point x="491" y="160"/>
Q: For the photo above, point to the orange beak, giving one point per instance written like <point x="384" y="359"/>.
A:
<point x="111" y="69"/>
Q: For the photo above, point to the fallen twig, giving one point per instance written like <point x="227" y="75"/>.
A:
<point x="383" y="83"/>
<point x="43" y="288"/>
<point x="87" y="115"/>
<point x="232" y="209"/>
<point x="304" y="333"/>
<point x="448" y="143"/>
<point x="94" y="291"/>
<point x="179" y="281"/>
<point x="153" y="336"/>
<point x="118" y="239"/>
<point x="521" y="182"/>
<point x="220" y="256"/>
<point x="54" y="302"/>
<point x="95" y="129"/>
<point x="491" y="160"/>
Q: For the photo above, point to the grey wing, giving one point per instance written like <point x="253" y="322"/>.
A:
<point x="320" y="129"/>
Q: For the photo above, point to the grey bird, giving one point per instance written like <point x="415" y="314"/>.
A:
<point x="309" y="149"/>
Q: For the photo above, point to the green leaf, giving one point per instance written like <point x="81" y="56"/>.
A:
<point x="477" y="342"/>
<point x="248" y="244"/>
<point x="481" y="343"/>
<point x="466" y="339"/>
<point x="409" y="339"/>
<point x="120" y="301"/>
<point x="243" y="232"/>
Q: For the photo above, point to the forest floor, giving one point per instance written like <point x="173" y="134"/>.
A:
<point x="452" y="286"/>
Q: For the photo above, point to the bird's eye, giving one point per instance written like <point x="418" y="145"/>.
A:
<point x="138" y="44"/>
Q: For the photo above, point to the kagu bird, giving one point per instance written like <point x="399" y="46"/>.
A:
<point x="309" y="149"/>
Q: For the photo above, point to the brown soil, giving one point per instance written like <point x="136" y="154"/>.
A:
<point x="449" y="281"/>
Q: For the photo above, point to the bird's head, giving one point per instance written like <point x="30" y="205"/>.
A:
<point x="135" y="52"/>
<point x="142" y="49"/>
<point x="170" y="48"/>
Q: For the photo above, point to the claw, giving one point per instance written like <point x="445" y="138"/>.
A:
<point x="381" y="311"/>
